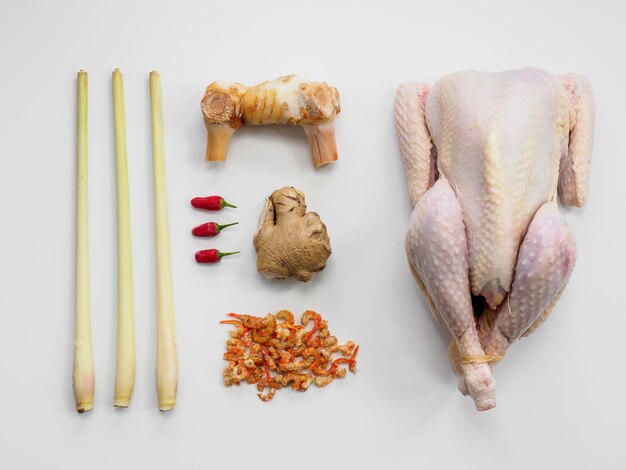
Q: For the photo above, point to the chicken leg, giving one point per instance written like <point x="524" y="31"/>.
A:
<point x="544" y="264"/>
<point x="437" y="250"/>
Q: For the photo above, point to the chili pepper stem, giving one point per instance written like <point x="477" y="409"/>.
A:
<point x="227" y="204"/>
<point x="221" y="255"/>
<point x="220" y="227"/>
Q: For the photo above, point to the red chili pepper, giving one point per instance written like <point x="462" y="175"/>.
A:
<point x="212" y="255"/>
<point x="210" y="229"/>
<point x="210" y="203"/>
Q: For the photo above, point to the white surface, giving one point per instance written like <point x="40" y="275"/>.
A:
<point x="560" y="392"/>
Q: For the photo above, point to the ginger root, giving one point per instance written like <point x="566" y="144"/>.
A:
<point x="290" y="99"/>
<point x="290" y="241"/>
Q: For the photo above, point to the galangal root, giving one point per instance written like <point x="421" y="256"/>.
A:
<point x="275" y="352"/>
<point x="290" y="241"/>
<point x="293" y="100"/>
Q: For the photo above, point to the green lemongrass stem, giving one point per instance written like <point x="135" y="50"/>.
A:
<point x="167" y="362"/>
<point x="83" y="374"/>
<point x="125" y="362"/>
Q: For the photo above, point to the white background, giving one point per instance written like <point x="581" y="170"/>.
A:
<point x="560" y="392"/>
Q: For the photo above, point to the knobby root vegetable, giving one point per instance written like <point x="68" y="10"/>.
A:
<point x="167" y="361"/>
<point x="290" y="241"/>
<point x="290" y="99"/>
<point x="83" y="373"/>
<point x="125" y="363"/>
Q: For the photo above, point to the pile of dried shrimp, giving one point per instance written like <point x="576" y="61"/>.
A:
<point x="274" y="352"/>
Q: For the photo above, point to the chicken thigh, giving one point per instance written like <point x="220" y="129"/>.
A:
<point x="485" y="156"/>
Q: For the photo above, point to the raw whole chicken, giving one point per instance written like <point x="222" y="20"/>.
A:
<point x="485" y="156"/>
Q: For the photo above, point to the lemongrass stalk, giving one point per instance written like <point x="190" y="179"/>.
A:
<point x="83" y="374"/>
<point x="167" y="361"/>
<point x="125" y="363"/>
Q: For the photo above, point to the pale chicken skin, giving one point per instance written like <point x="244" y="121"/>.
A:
<point x="485" y="156"/>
